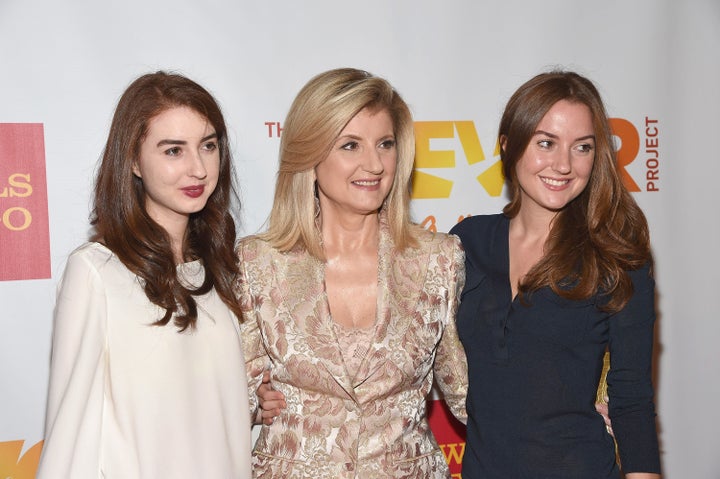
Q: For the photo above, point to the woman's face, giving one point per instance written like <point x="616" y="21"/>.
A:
<point x="358" y="174"/>
<point x="179" y="164"/>
<point x="556" y="165"/>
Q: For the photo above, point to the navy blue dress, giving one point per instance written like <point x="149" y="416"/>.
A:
<point x="534" y="370"/>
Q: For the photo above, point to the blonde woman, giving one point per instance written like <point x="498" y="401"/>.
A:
<point x="349" y="305"/>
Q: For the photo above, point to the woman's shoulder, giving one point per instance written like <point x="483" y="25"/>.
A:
<point x="443" y="244"/>
<point x="428" y="237"/>
<point x="478" y="225"/>
<point x="93" y="253"/>
<point x="483" y="237"/>
<point x="255" y="248"/>
<point x="94" y="262"/>
<point x="642" y="277"/>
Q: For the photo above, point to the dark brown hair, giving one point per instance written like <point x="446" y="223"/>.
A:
<point x="124" y="226"/>
<point x="602" y="233"/>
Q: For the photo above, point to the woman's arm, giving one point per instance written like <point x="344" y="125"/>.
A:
<point x="256" y="359"/>
<point x="73" y="424"/>
<point x="631" y="405"/>
<point x="450" y="362"/>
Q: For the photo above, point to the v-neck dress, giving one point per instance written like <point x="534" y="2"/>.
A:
<point x="534" y="368"/>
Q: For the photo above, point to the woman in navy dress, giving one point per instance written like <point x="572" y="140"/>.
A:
<point x="561" y="276"/>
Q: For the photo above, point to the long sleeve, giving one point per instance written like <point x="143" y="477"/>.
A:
<point x="256" y="358"/>
<point x="630" y="388"/>
<point x="450" y="362"/>
<point x="73" y="426"/>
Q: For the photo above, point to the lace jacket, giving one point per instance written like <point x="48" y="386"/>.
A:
<point x="372" y="425"/>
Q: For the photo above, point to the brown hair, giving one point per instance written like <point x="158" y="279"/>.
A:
<point x="124" y="226"/>
<point x="317" y="116"/>
<point x="602" y="233"/>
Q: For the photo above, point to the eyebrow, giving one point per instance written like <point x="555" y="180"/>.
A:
<point x="542" y="132"/>
<point x="349" y="135"/>
<point x="353" y="136"/>
<point x="183" y="142"/>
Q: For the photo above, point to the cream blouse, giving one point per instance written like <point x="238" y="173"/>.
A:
<point x="131" y="400"/>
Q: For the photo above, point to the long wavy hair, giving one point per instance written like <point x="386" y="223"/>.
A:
<point x="317" y="116"/>
<point x="122" y="223"/>
<point x="602" y="233"/>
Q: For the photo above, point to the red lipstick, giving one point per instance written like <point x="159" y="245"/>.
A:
<point x="194" y="191"/>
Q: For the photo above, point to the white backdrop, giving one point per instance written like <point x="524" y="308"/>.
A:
<point x="64" y="65"/>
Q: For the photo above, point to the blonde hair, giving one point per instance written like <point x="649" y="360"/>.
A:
<point x="317" y="116"/>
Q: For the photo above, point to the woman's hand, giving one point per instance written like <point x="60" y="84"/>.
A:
<point x="271" y="401"/>
<point x="602" y="409"/>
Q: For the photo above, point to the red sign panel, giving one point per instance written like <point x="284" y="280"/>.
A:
<point x="449" y="433"/>
<point x="24" y="231"/>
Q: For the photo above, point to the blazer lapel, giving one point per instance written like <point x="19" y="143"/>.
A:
<point x="400" y="279"/>
<point x="302" y="286"/>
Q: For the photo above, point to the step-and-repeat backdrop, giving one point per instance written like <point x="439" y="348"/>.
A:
<point x="63" y="66"/>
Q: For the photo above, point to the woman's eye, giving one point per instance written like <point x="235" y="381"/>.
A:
<point x="174" y="151"/>
<point x="545" y="143"/>
<point x="210" y="146"/>
<point x="351" y="145"/>
<point x="388" y="144"/>
<point x="585" y="148"/>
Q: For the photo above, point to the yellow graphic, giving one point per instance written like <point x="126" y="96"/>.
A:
<point x="16" y="218"/>
<point x="492" y="179"/>
<point x="426" y="185"/>
<point x="17" y="187"/>
<point x="453" y="452"/>
<point x="19" y="221"/>
<point x="12" y="466"/>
